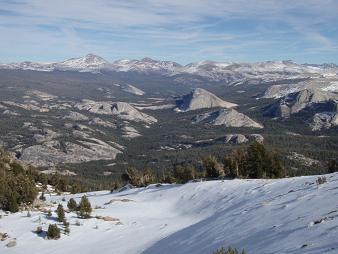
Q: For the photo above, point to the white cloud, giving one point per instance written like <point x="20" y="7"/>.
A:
<point x="78" y="25"/>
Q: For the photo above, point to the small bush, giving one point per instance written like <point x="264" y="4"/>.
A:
<point x="228" y="251"/>
<point x="321" y="180"/>
<point x="53" y="232"/>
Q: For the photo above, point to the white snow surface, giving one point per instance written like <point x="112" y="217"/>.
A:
<point x="293" y="215"/>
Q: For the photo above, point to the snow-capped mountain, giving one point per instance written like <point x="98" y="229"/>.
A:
<point x="266" y="71"/>
<point x="229" y="72"/>
<point x="89" y="62"/>
<point x="146" y="65"/>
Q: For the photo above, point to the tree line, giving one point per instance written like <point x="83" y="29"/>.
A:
<point x="256" y="161"/>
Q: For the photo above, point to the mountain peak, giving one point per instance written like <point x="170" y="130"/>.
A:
<point x="89" y="61"/>
<point x="199" y="99"/>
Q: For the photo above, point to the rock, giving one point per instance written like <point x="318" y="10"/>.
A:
<point x="199" y="99"/>
<point x="76" y="116"/>
<point x="324" y="120"/>
<point x="11" y="244"/>
<point x="126" y="187"/>
<point x="52" y="153"/>
<point x="43" y="96"/>
<point x="47" y="135"/>
<point x="130" y="132"/>
<point x="302" y="159"/>
<point x="100" y="122"/>
<point x="228" y="118"/>
<point x="3" y="236"/>
<point x="121" y="110"/>
<point x="10" y="113"/>
<point x="131" y="89"/>
<point x="295" y="102"/>
<point x="257" y="137"/>
<point x="235" y="139"/>
<point x="127" y="112"/>
<point x="108" y="218"/>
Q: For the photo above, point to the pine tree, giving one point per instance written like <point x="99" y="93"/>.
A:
<point x="256" y="160"/>
<point x="72" y="206"/>
<point x="85" y="208"/>
<point x="275" y="168"/>
<point x="332" y="167"/>
<point x="228" y="251"/>
<point x="60" y="213"/>
<point x="212" y="167"/>
<point x="184" y="173"/>
<point x="12" y="202"/>
<point x="53" y="232"/>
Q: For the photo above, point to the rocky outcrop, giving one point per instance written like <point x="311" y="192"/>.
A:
<point x="228" y="118"/>
<point x="199" y="99"/>
<point x="121" y="110"/>
<point x="45" y="135"/>
<point x="99" y="122"/>
<point x="302" y="159"/>
<point x="257" y="137"/>
<point x="235" y="139"/>
<point x="76" y="116"/>
<point x="324" y="120"/>
<point x="298" y="101"/>
<point x="130" y="89"/>
<point x="52" y="153"/>
<point x="130" y="132"/>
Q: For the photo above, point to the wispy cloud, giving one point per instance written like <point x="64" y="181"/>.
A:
<point x="187" y="29"/>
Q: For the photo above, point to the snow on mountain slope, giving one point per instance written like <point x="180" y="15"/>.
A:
<point x="232" y="73"/>
<point x="145" y="65"/>
<point x="292" y="215"/>
<point x="88" y="62"/>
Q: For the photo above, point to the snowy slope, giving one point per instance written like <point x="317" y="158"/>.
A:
<point x="292" y="215"/>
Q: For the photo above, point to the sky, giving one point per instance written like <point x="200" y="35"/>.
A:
<point x="305" y="31"/>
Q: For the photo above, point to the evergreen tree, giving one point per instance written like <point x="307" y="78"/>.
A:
<point x="332" y="167"/>
<point x="72" y="206"/>
<point x="53" y="232"/>
<point x="275" y="168"/>
<point x="256" y="160"/>
<point x="60" y="213"/>
<point x="85" y="208"/>
<point x="228" y="251"/>
<point x="184" y="173"/>
<point x="212" y="167"/>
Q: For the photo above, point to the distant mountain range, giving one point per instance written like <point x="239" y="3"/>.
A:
<point x="232" y="73"/>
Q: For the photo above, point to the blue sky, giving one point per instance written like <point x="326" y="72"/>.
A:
<point x="182" y="30"/>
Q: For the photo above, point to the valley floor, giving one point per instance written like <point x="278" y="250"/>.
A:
<point x="294" y="215"/>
